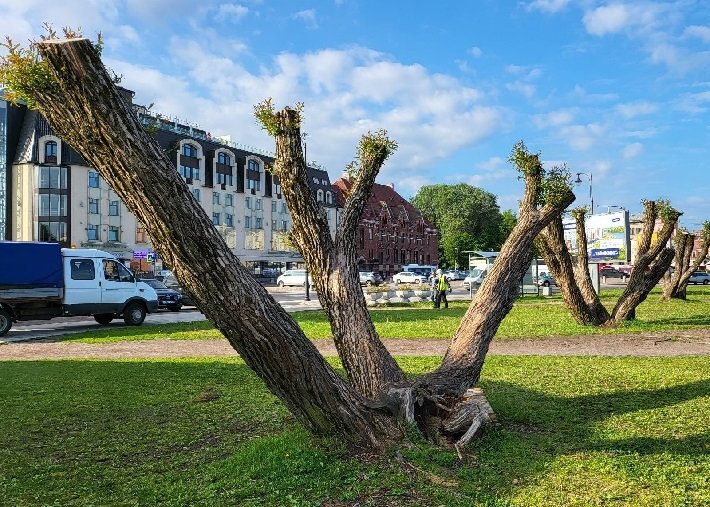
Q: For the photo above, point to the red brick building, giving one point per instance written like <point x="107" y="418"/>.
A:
<point x="391" y="232"/>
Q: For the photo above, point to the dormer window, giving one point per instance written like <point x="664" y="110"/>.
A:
<point x="189" y="150"/>
<point x="253" y="176"/>
<point x="329" y="198"/>
<point x="50" y="152"/>
<point x="224" y="159"/>
<point x="319" y="195"/>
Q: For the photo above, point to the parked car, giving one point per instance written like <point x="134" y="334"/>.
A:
<point x="545" y="280"/>
<point x="293" y="278"/>
<point x="700" y="277"/>
<point x="167" y="298"/>
<point x="475" y="278"/>
<point x="611" y="272"/>
<point x="369" y="278"/>
<point x="172" y="283"/>
<point x="453" y="274"/>
<point x="408" y="277"/>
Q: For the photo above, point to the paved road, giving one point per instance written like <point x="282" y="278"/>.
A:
<point x="291" y="298"/>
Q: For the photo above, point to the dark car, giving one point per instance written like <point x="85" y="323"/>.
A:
<point x="611" y="272"/>
<point x="172" y="283"/>
<point x="167" y="298"/>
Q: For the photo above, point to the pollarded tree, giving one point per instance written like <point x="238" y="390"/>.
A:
<point x="685" y="265"/>
<point x="572" y="275"/>
<point x="66" y="81"/>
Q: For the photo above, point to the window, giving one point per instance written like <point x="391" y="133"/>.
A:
<point x="92" y="233"/>
<point x="273" y="225"/>
<point x="224" y="179"/>
<point x="277" y="188"/>
<point x="93" y="206"/>
<point x="324" y="181"/>
<point x="228" y="220"/>
<point x="253" y="184"/>
<point x="229" y="200"/>
<point x="247" y="202"/>
<point x="185" y="172"/>
<point x="113" y="233"/>
<point x="82" y="269"/>
<point x="369" y="233"/>
<point x="93" y="179"/>
<point x="258" y="204"/>
<point x="316" y="180"/>
<point x="319" y="195"/>
<point x="53" y="177"/>
<point x="284" y="209"/>
<point x="284" y="225"/>
<point x="195" y="173"/>
<point x="52" y="205"/>
<point x="224" y="159"/>
<point x="53" y="232"/>
<point x="215" y="198"/>
<point x="253" y="165"/>
<point x="273" y="206"/>
<point x="50" y="152"/>
<point x="141" y="234"/>
<point x="113" y="208"/>
<point x="329" y="198"/>
<point x="216" y="219"/>
<point x="189" y="150"/>
<point x="259" y="223"/>
<point x="247" y="222"/>
<point x="196" y="194"/>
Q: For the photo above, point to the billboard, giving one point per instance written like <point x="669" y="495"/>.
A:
<point x="607" y="237"/>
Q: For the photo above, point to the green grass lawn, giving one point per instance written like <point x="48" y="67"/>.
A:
<point x="573" y="431"/>
<point x="531" y="317"/>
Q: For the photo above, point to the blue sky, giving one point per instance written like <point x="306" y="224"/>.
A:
<point x="620" y="90"/>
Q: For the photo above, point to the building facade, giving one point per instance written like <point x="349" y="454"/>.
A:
<point x="52" y="194"/>
<point x="391" y="232"/>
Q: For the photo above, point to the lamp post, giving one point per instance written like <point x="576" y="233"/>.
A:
<point x="578" y="181"/>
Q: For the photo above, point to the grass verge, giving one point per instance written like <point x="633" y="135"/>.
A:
<point x="531" y="317"/>
<point x="573" y="431"/>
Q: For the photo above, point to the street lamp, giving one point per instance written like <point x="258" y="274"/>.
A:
<point x="578" y="181"/>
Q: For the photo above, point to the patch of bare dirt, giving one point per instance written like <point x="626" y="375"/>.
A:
<point x="695" y="342"/>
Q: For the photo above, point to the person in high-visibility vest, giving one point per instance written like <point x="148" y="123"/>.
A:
<point x="442" y="286"/>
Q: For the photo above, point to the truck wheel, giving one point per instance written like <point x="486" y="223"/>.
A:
<point x="134" y="314"/>
<point x="104" y="318"/>
<point x="5" y="322"/>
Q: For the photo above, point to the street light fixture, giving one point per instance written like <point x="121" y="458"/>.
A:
<point x="579" y="180"/>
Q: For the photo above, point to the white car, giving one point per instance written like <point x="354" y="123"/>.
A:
<point x="699" y="277"/>
<point x="293" y="277"/>
<point x="407" y="277"/>
<point x="475" y="278"/>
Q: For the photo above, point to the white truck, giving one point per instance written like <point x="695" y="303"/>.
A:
<point x="42" y="281"/>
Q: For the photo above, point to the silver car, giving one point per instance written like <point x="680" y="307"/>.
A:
<point x="699" y="277"/>
<point x="369" y="278"/>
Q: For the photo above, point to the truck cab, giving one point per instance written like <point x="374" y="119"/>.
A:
<point x="40" y="281"/>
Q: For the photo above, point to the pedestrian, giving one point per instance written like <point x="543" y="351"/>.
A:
<point x="442" y="286"/>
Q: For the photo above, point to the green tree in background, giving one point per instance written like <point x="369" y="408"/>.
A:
<point x="468" y="218"/>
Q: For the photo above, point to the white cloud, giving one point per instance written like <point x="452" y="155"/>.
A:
<point x="694" y="103"/>
<point x="554" y="118"/>
<point x="634" y="109"/>
<point x="582" y="137"/>
<point x="550" y="6"/>
<point x="633" y="150"/>
<point x="525" y="89"/>
<point x="698" y="31"/>
<point x="607" y="19"/>
<point x="233" y="12"/>
<point x="308" y="16"/>
<point x="476" y="52"/>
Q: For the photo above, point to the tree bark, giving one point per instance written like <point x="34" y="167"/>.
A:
<point x="677" y="283"/>
<point x="333" y="264"/>
<point x="87" y="111"/>
<point x="462" y="364"/>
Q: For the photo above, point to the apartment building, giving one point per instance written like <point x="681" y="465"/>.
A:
<point x="52" y="194"/>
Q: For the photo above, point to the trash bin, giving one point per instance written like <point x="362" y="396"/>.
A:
<point x="546" y="291"/>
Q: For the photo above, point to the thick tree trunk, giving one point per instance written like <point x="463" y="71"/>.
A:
<point x="677" y="283"/>
<point x="333" y="264"/>
<point x="87" y="111"/>
<point x="461" y="367"/>
<point x="572" y="279"/>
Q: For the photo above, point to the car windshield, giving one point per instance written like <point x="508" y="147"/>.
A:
<point x="475" y="273"/>
<point x="156" y="284"/>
